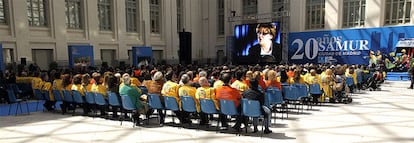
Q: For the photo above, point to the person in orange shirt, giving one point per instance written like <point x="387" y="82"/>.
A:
<point x="272" y="80"/>
<point x="226" y="92"/>
<point x="154" y="86"/>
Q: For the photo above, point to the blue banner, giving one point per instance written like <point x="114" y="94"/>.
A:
<point x="80" y="56"/>
<point x="141" y="56"/>
<point x="350" y="46"/>
<point x="2" y="66"/>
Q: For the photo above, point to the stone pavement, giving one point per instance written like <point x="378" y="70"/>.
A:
<point x="374" y="116"/>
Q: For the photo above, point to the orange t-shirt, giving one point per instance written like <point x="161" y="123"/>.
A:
<point x="229" y="93"/>
<point x="273" y="83"/>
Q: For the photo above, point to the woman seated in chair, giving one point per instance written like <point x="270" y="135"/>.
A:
<point x="255" y="94"/>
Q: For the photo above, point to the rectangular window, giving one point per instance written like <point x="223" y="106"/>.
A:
<point x="155" y="17"/>
<point x="315" y="14"/>
<point x="3" y="12"/>
<point x="397" y="12"/>
<point x="73" y="14"/>
<point x="180" y="13"/>
<point x="249" y="7"/>
<point x="104" y="14"/>
<point x="278" y="6"/>
<point x="220" y="17"/>
<point x="36" y="12"/>
<point x="353" y="13"/>
<point x="131" y="15"/>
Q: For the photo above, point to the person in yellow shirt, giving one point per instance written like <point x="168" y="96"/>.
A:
<point x="328" y="80"/>
<point x="313" y="78"/>
<point x="205" y="92"/>
<point x="239" y="84"/>
<point x="187" y="90"/>
<point x="218" y="83"/>
<point x="37" y="82"/>
<point x="86" y="82"/>
<point x="77" y="84"/>
<point x="98" y="86"/>
<point x="47" y="87"/>
<point x="170" y="88"/>
<point x="66" y="84"/>
<point x="297" y="78"/>
<point x="350" y="72"/>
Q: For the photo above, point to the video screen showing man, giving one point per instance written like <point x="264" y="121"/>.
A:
<point x="257" y="43"/>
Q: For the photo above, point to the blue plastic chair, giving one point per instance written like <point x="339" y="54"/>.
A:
<point x="100" y="101"/>
<point x="46" y="93"/>
<point x="315" y="91"/>
<point x="67" y="99"/>
<point x="144" y="89"/>
<point x="128" y="106"/>
<point x="302" y="96"/>
<point x="67" y="96"/>
<point x="273" y="97"/>
<point x="188" y="104"/>
<point x="228" y="108"/>
<point x="349" y="81"/>
<point x="113" y="100"/>
<point x="58" y="96"/>
<point x="251" y="108"/>
<point x="39" y="96"/>
<point x="171" y="104"/>
<point x="90" y="99"/>
<point x="154" y="102"/>
<point x="359" y="81"/>
<point x="77" y="99"/>
<point x="290" y="92"/>
<point x="14" y="100"/>
<point x="207" y="106"/>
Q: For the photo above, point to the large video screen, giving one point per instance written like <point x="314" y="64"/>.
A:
<point x="257" y="43"/>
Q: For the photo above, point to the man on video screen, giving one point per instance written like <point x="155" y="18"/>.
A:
<point x="267" y="50"/>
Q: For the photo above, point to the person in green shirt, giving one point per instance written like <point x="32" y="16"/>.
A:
<point x="135" y="94"/>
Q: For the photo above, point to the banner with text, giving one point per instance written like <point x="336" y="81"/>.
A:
<point x="350" y="46"/>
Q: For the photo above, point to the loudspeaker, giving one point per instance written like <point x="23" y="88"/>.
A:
<point x="23" y="61"/>
<point x="185" y="48"/>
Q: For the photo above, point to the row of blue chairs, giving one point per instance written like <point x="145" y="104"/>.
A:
<point x="12" y="99"/>
<point x="250" y="108"/>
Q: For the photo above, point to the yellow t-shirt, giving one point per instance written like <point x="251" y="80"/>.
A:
<point x="241" y="86"/>
<point x="218" y="83"/>
<point x="187" y="90"/>
<point x="79" y="88"/>
<point x="99" y="88"/>
<point x="207" y="93"/>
